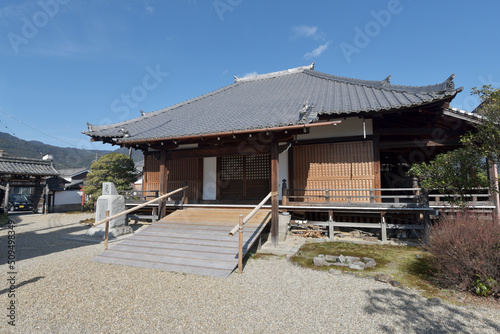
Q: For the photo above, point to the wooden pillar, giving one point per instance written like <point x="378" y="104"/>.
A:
<point x="46" y="200"/>
<point x="6" y="199"/>
<point x="275" y="193"/>
<point x="376" y="161"/>
<point x="163" y="184"/>
<point x="494" y="191"/>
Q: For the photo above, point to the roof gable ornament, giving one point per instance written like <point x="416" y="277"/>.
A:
<point x="449" y="82"/>
<point x="386" y="81"/>
<point x="305" y="114"/>
<point x="125" y="132"/>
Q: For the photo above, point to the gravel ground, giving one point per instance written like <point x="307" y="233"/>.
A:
<point x="60" y="290"/>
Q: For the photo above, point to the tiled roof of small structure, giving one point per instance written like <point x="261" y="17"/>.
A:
<point x="26" y="166"/>
<point x="292" y="97"/>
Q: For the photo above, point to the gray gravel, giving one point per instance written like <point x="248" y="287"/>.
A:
<point x="61" y="291"/>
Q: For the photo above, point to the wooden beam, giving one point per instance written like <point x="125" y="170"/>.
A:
<point x="417" y="143"/>
<point x="334" y="140"/>
<point x="163" y="183"/>
<point x="219" y="151"/>
<point x="274" y="191"/>
<point x="416" y="132"/>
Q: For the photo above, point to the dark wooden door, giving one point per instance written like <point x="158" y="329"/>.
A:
<point x="243" y="177"/>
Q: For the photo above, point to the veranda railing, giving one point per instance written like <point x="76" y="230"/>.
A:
<point x="239" y="227"/>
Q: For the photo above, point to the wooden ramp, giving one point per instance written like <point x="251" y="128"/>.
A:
<point x="194" y="241"/>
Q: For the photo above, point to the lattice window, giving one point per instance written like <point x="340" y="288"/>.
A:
<point x="257" y="167"/>
<point x="231" y="168"/>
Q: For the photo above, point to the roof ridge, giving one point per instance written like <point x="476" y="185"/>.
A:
<point x="274" y="74"/>
<point x="25" y="160"/>
<point x="447" y="85"/>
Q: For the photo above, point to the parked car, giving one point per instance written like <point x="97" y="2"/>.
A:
<point x="19" y="202"/>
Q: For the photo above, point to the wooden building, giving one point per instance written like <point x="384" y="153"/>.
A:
<point x="24" y="176"/>
<point x="332" y="143"/>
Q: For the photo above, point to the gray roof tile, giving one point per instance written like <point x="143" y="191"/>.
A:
<point x="271" y="100"/>
<point x="26" y="166"/>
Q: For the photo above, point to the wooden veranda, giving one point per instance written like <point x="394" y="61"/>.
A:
<point x="193" y="240"/>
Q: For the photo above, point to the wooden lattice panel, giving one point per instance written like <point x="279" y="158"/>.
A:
<point x="257" y="167"/>
<point x="334" y="166"/>
<point x="231" y="168"/>
<point x="243" y="177"/>
<point x="179" y="172"/>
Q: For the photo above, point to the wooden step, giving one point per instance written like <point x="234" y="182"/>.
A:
<point x="192" y="241"/>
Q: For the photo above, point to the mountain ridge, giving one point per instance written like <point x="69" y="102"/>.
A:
<point x="64" y="157"/>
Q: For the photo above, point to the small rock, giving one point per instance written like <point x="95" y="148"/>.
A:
<point x="435" y="301"/>
<point x="341" y="258"/>
<point x="368" y="259"/>
<point x="335" y="272"/>
<point x="331" y="258"/>
<point x="370" y="264"/>
<point x="340" y="235"/>
<point x="321" y="255"/>
<point x="381" y="277"/>
<point x="418" y="256"/>
<point x="352" y="259"/>
<point x="340" y="264"/>
<point x="357" y="267"/>
<point x="359" y="263"/>
<point x="395" y="284"/>
<point x="319" y="261"/>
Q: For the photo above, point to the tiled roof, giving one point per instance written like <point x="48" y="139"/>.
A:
<point x="292" y="97"/>
<point x="72" y="171"/>
<point x="26" y="166"/>
<point x="471" y="117"/>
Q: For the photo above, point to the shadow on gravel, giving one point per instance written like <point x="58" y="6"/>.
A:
<point x="421" y="315"/>
<point x="40" y="242"/>
<point x="33" y="280"/>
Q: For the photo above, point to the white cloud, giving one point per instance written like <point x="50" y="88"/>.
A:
<point x="251" y="74"/>
<point x="149" y="10"/>
<point x="318" y="51"/>
<point x="305" y="31"/>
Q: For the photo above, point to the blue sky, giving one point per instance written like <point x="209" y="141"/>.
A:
<point x="68" y="62"/>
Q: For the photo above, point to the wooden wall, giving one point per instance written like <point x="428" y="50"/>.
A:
<point x="179" y="171"/>
<point x="334" y="166"/>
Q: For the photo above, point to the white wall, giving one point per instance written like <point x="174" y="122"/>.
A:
<point x="210" y="178"/>
<point x="349" y="127"/>
<point x="68" y="197"/>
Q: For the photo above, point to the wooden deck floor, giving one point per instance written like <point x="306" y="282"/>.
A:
<point x="191" y="241"/>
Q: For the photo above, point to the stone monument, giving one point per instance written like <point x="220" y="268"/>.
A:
<point x="110" y="201"/>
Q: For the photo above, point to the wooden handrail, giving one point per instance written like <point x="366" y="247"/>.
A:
<point x="139" y="206"/>
<point x="251" y="214"/>
<point x="239" y="228"/>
